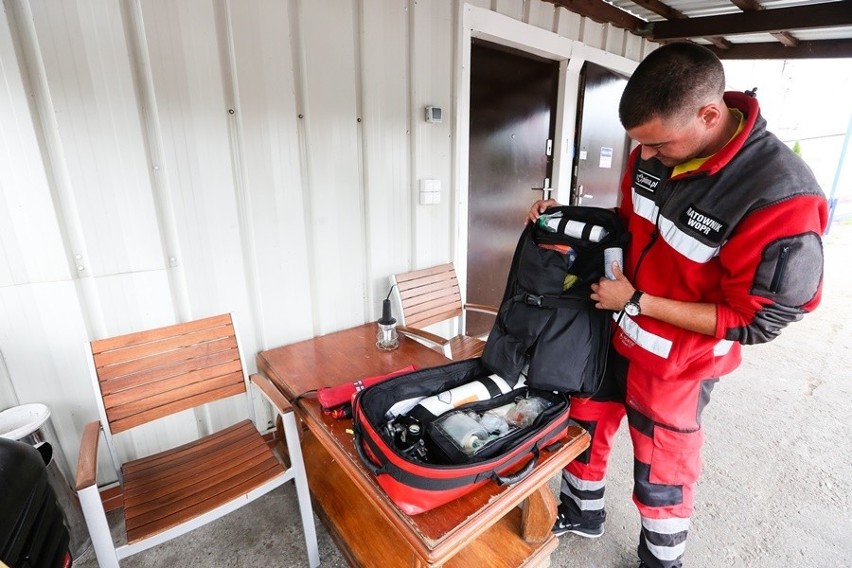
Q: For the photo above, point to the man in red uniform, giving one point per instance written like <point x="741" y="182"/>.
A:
<point x="725" y="250"/>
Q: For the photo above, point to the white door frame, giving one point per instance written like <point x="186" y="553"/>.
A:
<point x="484" y="24"/>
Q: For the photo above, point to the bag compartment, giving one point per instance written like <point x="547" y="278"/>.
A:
<point x="446" y="449"/>
<point x="416" y="486"/>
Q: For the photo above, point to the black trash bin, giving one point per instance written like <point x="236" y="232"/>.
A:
<point x="32" y="531"/>
<point x="31" y="424"/>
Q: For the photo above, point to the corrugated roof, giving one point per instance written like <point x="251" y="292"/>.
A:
<point x="734" y="29"/>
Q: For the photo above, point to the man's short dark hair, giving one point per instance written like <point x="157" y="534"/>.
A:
<point x="673" y="80"/>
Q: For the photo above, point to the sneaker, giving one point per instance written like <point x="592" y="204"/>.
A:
<point x="563" y="525"/>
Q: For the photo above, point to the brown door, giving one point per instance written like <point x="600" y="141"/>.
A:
<point x="512" y="118"/>
<point x="602" y="145"/>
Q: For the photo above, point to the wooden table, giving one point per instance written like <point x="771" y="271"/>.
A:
<point x="485" y="528"/>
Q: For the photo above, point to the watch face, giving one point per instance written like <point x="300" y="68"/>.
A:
<point x="631" y="309"/>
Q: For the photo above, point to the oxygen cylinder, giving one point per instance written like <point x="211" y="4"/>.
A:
<point x="484" y="389"/>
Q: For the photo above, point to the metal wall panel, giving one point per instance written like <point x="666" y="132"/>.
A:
<point x="433" y="36"/>
<point x="31" y="247"/>
<point x="541" y="15"/>
<point x="334" y="191"/>
<point x="386" y="125"/>
<point x="266" y="76"/>
<point x="84" y="52"/>
<point x="187" y="73"/>
<point x="42" y="337"/>
<point x="162" y="160"/>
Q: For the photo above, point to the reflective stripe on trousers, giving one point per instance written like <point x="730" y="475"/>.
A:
<point x="664" y="424"/>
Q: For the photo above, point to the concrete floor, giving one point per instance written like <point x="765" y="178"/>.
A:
<point x="775" y="490"/>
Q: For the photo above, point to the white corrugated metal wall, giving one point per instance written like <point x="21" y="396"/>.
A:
<point x="163" y="160"/>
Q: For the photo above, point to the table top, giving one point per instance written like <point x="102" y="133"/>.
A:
<point x="341" y="357"/>
<point x="345" y="356"/>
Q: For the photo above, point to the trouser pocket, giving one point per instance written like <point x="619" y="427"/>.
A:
<point x="676" y="456"/>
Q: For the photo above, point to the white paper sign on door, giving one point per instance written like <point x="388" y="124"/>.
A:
<point x="606" y="157"/>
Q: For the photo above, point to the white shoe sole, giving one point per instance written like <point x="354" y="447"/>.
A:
<point x="579" y="533"/>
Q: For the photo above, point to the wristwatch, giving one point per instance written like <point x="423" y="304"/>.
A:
<point x="631" y="308"/>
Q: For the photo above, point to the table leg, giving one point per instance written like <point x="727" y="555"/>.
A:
<point x="539" y="514"/>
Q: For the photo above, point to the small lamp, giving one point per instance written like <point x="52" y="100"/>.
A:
<point x="387" y="338"/>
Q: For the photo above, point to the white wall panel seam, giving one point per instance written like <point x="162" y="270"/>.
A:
<point x="241" y="182"/>
<point x="412" y="139"/>
<point x="56" y="168"/>
<point x="363" y="181"/>
<point x="299" y="64"/>
<point x="140" y="64"/>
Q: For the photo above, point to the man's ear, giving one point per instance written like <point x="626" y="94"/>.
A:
<point x="711" y="115"/>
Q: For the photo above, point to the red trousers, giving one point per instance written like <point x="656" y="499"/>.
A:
<point x="664" y="423"/>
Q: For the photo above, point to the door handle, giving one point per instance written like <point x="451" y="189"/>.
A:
<point x="545" y="190"/>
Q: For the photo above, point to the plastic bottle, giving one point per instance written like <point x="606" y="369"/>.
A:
<point x="527" y="410"/>
<point x="466" y="432"/>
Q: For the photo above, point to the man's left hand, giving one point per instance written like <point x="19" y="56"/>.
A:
<point x="612" y="294"/>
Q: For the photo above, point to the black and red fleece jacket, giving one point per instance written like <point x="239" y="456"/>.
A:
<point x="743" y="232"/>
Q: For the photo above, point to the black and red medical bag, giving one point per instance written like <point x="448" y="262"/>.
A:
<point x="419" y="475"/>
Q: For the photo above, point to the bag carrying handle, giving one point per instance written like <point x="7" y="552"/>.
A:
<point x="359" y="448"/>
<point x="520" y="475"/>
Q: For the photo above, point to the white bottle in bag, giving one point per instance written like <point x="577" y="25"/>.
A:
<point x="572" y="228"/>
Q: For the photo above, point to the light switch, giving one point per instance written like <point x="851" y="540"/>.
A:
<point x="430" y="191"/>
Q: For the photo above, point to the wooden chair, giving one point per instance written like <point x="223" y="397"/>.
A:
<point x="148" y="375"/>
<point x="430" y="296"/>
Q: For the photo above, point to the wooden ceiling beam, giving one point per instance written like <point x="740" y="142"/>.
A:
<point x="824" y="49"/>
<point x="670" y="13"/>
<point x="785" y="38"/>
<point x="827" y="14"/>
<point x="602" y="12"/>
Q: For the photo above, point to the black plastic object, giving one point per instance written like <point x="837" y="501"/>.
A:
<point x="32" y="530"/>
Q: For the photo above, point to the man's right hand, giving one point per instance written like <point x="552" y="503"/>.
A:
<point x="538" y="208"/>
